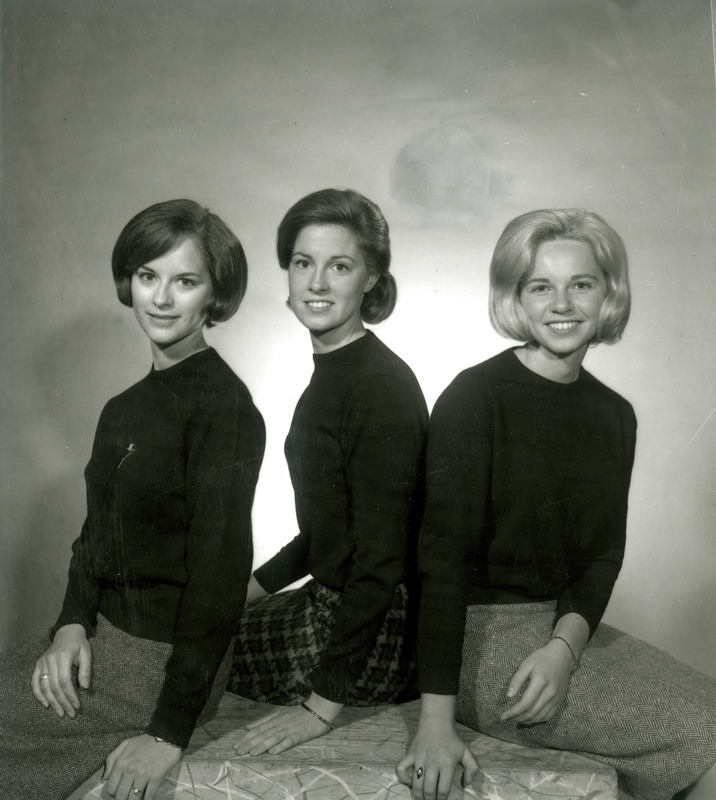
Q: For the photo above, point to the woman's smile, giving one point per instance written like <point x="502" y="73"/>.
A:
<point x="163" y="320"/>
<point x="562" y="327"/>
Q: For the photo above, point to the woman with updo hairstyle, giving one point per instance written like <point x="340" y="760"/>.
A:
<point x="140" y="653"/>
<point x="529" y="461"/>
<point x="354" y="452"/>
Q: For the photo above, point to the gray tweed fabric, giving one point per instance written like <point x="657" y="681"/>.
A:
<point x="281" y="638"/>
<point x="43" y="757"/>
<point x="628" y="704"/>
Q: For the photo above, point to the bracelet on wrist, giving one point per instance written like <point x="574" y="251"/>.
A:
<point x="571" y="650"/>
<point x="318" y="716"/>
<point x="164" y="741"/>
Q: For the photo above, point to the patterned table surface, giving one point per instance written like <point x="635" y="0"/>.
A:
<point x="357" y="761"/>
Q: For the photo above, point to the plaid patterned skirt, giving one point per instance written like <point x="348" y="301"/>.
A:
<point x="628" y="705"/>
<point x="45" y="757"/>
<point x="281" y="638"/>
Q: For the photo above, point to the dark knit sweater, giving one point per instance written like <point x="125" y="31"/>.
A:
<point x="165" y="552"/>
<point x="354" y="452"/>
<point x="526" y="501"/>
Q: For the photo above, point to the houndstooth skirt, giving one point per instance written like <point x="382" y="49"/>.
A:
<point x="44" y="756"/>
<point x="628" y="705"/>
<point x="281" y="638"/>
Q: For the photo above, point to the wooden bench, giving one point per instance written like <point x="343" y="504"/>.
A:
<point x="356" y="761"/>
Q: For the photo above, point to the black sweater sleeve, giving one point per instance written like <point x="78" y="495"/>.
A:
<point x="81" y="601"/>
<point x="383" y="433"/>
<point x="288" y="565"/>
<point x="599" y="550"/>
<point x="459" y="455"/>
<point x="223" y="463"/>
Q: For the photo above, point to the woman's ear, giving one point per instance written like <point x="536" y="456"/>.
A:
<point x="371" y="282"/>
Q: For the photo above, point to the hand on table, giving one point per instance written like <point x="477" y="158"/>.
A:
<point x="429" y="765"/>
<point x="52" y="683"/>
<point x="287" y="727"/>
<point x="137" y="767"/>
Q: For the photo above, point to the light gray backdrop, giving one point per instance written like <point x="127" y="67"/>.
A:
<point x="454" y="116"/>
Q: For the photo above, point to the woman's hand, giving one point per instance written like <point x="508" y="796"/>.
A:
<point x="287" y="727"/>
<point x="429" y="765"/>
<point x="548" y="671"/>
<point x="52" y="682"/>
<point x="138" y="765"/>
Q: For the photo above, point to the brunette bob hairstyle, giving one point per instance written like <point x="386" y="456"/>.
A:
<point x="156" y="230"/>
<point x="514" y="258"/>
<point x="365" y="221"/>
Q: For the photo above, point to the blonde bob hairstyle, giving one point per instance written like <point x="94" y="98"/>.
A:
<point x="514" y="258"/>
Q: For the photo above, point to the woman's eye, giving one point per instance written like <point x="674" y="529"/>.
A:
<point x="187" y="283"/>
<point x="339" y="267"/>
<point x="301" y="263"/>
<point x="582" y="286"/>
<point x="539" y="288"/>
<point x="145" y="277"/>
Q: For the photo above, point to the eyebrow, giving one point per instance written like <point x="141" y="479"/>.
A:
<point x="332" y="258"/>
<point x="178" y="275"/>
<point x="580" y="276"/>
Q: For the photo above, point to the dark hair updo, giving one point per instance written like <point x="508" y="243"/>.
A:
<point x="364" y="219"/>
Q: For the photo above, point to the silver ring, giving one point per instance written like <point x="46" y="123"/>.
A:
<point x="419" y="773"/>
<point x="137" y="791"/>
<point x="45" y="676"/>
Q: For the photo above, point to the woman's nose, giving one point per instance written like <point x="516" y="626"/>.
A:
<point x="162" y="296"/>
<point x="561" y="301"/>
<point x="318" y="281"/>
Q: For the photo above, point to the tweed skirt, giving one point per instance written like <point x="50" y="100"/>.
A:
<point x="48" y="757"/>
<point x="628" y="704"/>
<point x="281" y="639"/>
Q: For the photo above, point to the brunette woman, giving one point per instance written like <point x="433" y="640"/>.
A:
<point x="530" y="458"/>
<point x="354" y="452"/>
<point x="159" y="573"/>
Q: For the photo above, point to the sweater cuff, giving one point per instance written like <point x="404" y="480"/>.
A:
<point x="335" y="687"/>
<point x="67" y="619"/>
<point x="273" y="578"/>
<point x="438" y="679"/>
<point x="566" y="604"/>
<point x="262" y="583"/>
<point x="175" y="727"/>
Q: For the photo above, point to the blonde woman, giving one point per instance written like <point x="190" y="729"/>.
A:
<point x="529" y="464"/>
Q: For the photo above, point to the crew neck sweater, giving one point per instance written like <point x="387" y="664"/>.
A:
<point x="165" y="552"/>
<point x="355" y="452"/>
<point x="528" y="481"/>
